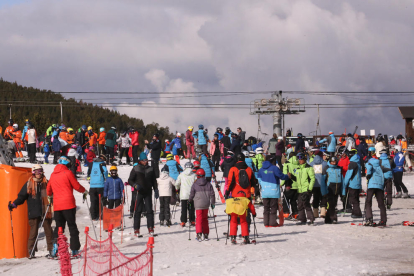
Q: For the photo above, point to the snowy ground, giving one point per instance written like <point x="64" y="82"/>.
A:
<point x="340" y="249"/>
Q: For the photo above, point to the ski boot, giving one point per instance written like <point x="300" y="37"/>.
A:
<point x="136" y="232"/>
<point x="369" y="222"/>
<point x="131" y="215"/>
<point x="246" y="240"/>
<point x="161" y="223"/>
<point x="309" y="222"/>
<point x="206" y="237"/>
<point x="151" y="231"/>
<point x="233" y="239"/>
<point x="193" y="223"/>
<point x="334" y="221"/>
<point x="199" y="237"/>
<point x="75" y="254"/>
<point x="182" y="224"/>
<point x="301" y="223"/>
<point x="168" y="223"/>
<point x="381" y="224"/>
<point x="356" y="217"/>
<point x="405" y="195"/>
<point x="398" y="195"/>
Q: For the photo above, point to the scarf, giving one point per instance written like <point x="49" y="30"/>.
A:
<point x="33" y="187"/>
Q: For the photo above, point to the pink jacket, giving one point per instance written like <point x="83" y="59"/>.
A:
<point x="213" y="147"/>
<point x="189" y="139"/>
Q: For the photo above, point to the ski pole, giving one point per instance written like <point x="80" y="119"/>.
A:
<point x="90" y="216"/>
<point x="215" y="225"/>
<point x="287" y="203"/>
<point x="189" y="223"/>
<point x="41" y="225"/>
<point x="255" y="231"/>
<point x="11" y="222"/>
<point x="228" y="228"/>
<point x="346" y="203"/>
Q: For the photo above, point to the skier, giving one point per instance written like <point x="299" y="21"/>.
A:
<point x="173" y="168"/>
<point x="81" y="138"/>
<point x="300" y="143"/>
<point x="189" y="142"/>
<point x="125" y="142"/>
<point x="399" y="160"/>
<point x="241" y="134"/>
<point x="91" y="136"/>
<point x="113" y="189"/>
<point x="196" y="166"/>
<point x="8" y="131"/>
<point x="71" y="136"/>
<point x="216" y="151"/>
<point x="352" y="183"/>
<point x="363" y="153"/>
<point x="46" y="150"/>
<point x="375" y="180"/>
<point x="167" y="147"/>
<point x="165" y="184"/>
<point x="207" y="166"/>
<point x="143" y="179"/>
<point x="320" y="189"/>
<point x="331" y="141"/>
<point x="249" y="161"/>
<point x="90" y="156"/>
<point x="101" y="141"/>
<point x="110" y="142"/>
<point x="305" y="178"/>
<point x="269" y="177"/>
<point x="235" y="144"/>
<point x="183" y="184"/>
<point x="34" y="192"/>
<point x="63" y="134"/>
<point x="202" y="196"/>
<point x="228" y="162"/>
<point x="16" y="134"/>
<point x="238" y="207"/>
<point x="30" y="137"/>
<point x="134" y="136"/>
<point x="97" y="174"/>
<point x="72" y="156"/>
<point x="272" y="145"/>
<point x="61" y="185"/>
<point x="280" y="150"/>
<point x="350" y="142"/>
<point x="379" y="146"/>
<point x="175" y="145"/>
<point x="202" y="138"/>
<point x="155" y="147"/>
<point x="226" y="141"/>
<point x="387" y="165"/>
<point x="334" y="180"/>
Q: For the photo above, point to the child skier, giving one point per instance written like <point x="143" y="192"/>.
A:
<point x="184" y="183"/>
<point x="46" y="150"/>
<point x="202" y="196"/>
<point x="236" y="207"/>
<point x="113" y="189"/>
<point x="90" y="156"/>
<point x="165" y="184"/>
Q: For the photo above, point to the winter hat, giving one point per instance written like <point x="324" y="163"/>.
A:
<point x="331" y="132"/>
<point x="143" y="156"/>
<point x="289" y="146"/>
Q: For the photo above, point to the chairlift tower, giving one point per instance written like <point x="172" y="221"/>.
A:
<point x="278" y="107"/>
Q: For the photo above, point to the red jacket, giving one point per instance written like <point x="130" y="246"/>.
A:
<point x="90" y="156"/>
<point x="61" y="185"/>
<point x="189" y="139"/>
<point x="134" y="138"/>
<point x="343" y="164"/>
<point x="233" y="180"/>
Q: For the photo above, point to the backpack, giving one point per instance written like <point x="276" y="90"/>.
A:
<point x="252" y="140"/>
<point x="244" y="181"/>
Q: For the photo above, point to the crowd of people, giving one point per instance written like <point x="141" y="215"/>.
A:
<point x="272" y="174"/>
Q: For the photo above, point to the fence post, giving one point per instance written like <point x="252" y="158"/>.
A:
<point x="110" y="247"/>
<point x="86" y="249"/>
<point x="150" y="245"/>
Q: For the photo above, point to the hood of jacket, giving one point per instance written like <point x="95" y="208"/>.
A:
<point x="294" y="160"/>
<point x="384" y="156"/>
<point x="332" y="135"/>
<point x="266" y="165"/>
<point x="187" y="171"/>
<point x="97" y="159"/>
<point x="60" y="168"/>
<point x="317" y="160"/>
<point x="228" y="159"/>
<point x="201" y="181"/>
<point x="241" y="165"/>
<point x="374" y="162"/>
<point x="164" y="175"/>
<point x="355" y="158"/>
<point x="332" y="166"/>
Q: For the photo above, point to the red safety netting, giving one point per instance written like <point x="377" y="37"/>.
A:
<point x="104" y="258"/>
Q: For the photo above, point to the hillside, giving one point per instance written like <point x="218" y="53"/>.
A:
<point x="42" y="108"/>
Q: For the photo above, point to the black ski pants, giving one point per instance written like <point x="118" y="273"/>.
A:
<point x="379" y="195"/>
<point x="291" y="196"/>
<point x="216" y="161"/>
<point x="398" y="182"/>
<point x="184" y="210"/>
<point x="110" y="151"/>
<point x="135" y="150"/>
<point x="271" y="205"/>
<point x="124" y="151"/>
<point x="72" y="164"/>
<point x="204" y="149"/>
<point x="334" y="190"/>
<point x="94" y="195"/>
<point x="113" y="203"/>
<point x="67" y="216"/>
<point x="304" y="204"/>
<point x="353" y="198"/>
<point x="388" y="189"/>
<point x="56" y="156"/>
<point x="155" y="164"/>
<point x="144" y="201"/>
<point x="165" y="208"/>
<point x="31" y="151"/>
<point x="102" y="149"/>
<point x="318" y="199"/>
<point x="279" y="160"/>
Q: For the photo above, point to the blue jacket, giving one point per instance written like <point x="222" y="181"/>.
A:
<point x="46" y="148"/>
<point x="97" y="172"/>
<point x="113" y="188"/>
<point x="269" y="177"/>
<point x="331" y="143"/>
<point x="24" y="131"/>
<point x="362" y="150"/>
<point x="249" y="163"/>
<point x="399" y="160"/>
<point x="386" y="163"/>
<point x="167" y="148"/>
<point x="319" y="165"/>
<point x="201" y="136"/>
<point x="206" y="165"/>
<point x="353" y="174"/>
<point x="56" y="146"/>
<point x="79" y="150"/>
<point x="333" y="176"/>
<point x="175" y="145"/>
<point x="174" y="168"/>
<point x="220" y="135"/>
<point x="375" y="174"/>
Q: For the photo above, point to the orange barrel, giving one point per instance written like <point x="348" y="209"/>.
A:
<point x="12" y="180"/>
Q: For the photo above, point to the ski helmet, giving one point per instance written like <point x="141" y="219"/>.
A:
<point x="300" y="156"/>
<point x="252" y="153"/>
<point x="91" y="148"/>
<point x="37" y="169"/>
<point x="397" y="148"/>
<point x="102" y="129"/>
<point x="190" y="128"/>
<point x="188" y="165"/>
<point x="246" y="153"/>
<point x="333" y="159"/>
<point x="170" y="156"/>
<point x="259" y="150"/>
<point x="383" y="151"/>
<point x="16" y="126"/>
<point x="230" y="153"/>
<point x="63" y="160"/>
<point x="219" y="129"/>
<point x="84" y="127"/>
<point x="200" y="173"/>
<point x="178" y="134"/>
<point x="112" y="127"/>
<point x="70" y="129"/>
<point x="200" y="126"/>
<point x="74" y="147"/>
<point x="300" y="135"/>
<point x="196" y="164"/>
<point x="372" y="149"/>
<point x="103" y="157"/>
<point x="10" y="122"/>
<point x="156" y="135"/>
<point x="227" y="129"/>
<point x="240" y="157"/>
<point x="166" y="140"/>
<point x="89" y="128"/>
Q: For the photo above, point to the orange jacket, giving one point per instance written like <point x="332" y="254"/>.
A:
<point x="17" y="139"/>
<point x="71" y="138"/>
<point x="92" y="139"/>
<point x="1" y="130"/>
<point x="101" y="139"/>
<point x="7" y="132"/>
<point x="64" y="135"/>
<point x="233" y="180"/>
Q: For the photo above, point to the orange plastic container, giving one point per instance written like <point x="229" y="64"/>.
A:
<point x="12" y="180"/>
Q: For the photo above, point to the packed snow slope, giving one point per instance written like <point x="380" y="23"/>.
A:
<point x="341" y="249"/>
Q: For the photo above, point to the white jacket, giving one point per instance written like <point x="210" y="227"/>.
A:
<point x="184" y="183"/>
<point x="73" y="152"/>
<point x="378" y="147"/>
<point x="124" y="141"/>
<point x="350" y="143"/>
<point x="31" y="136"/>
<point x="165" y="183"/>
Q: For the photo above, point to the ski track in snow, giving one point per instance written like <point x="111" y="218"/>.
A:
<point x="341" y="249"/>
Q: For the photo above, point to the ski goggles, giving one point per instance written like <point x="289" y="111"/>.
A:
<point x="37" y="171"/>
<point x="301" y="157"/>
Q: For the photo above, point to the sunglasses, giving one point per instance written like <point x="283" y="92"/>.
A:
<point x="38" y="171"/>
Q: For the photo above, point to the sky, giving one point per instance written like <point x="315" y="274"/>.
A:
<point x="217" y="46"/>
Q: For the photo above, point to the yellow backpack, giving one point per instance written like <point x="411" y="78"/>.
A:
<point x="237" y="205"/>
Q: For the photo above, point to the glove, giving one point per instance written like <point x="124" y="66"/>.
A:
<point x="109" y="175"/>
<point x="213" y="206"/>
<point x="156" y="194"/>
<point x="105" y="201"/>
<point x="287" y="188"/>
<point x="126" y="183"/>
<point x="88" y="178"/>
<point x="254" y="214"/>
<point x="85" y="194"/>
<point x="136" y="187"/>
<point x="227" y="194"/>
<point x="50" y="199"/>
<point x="11" y="206"/>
